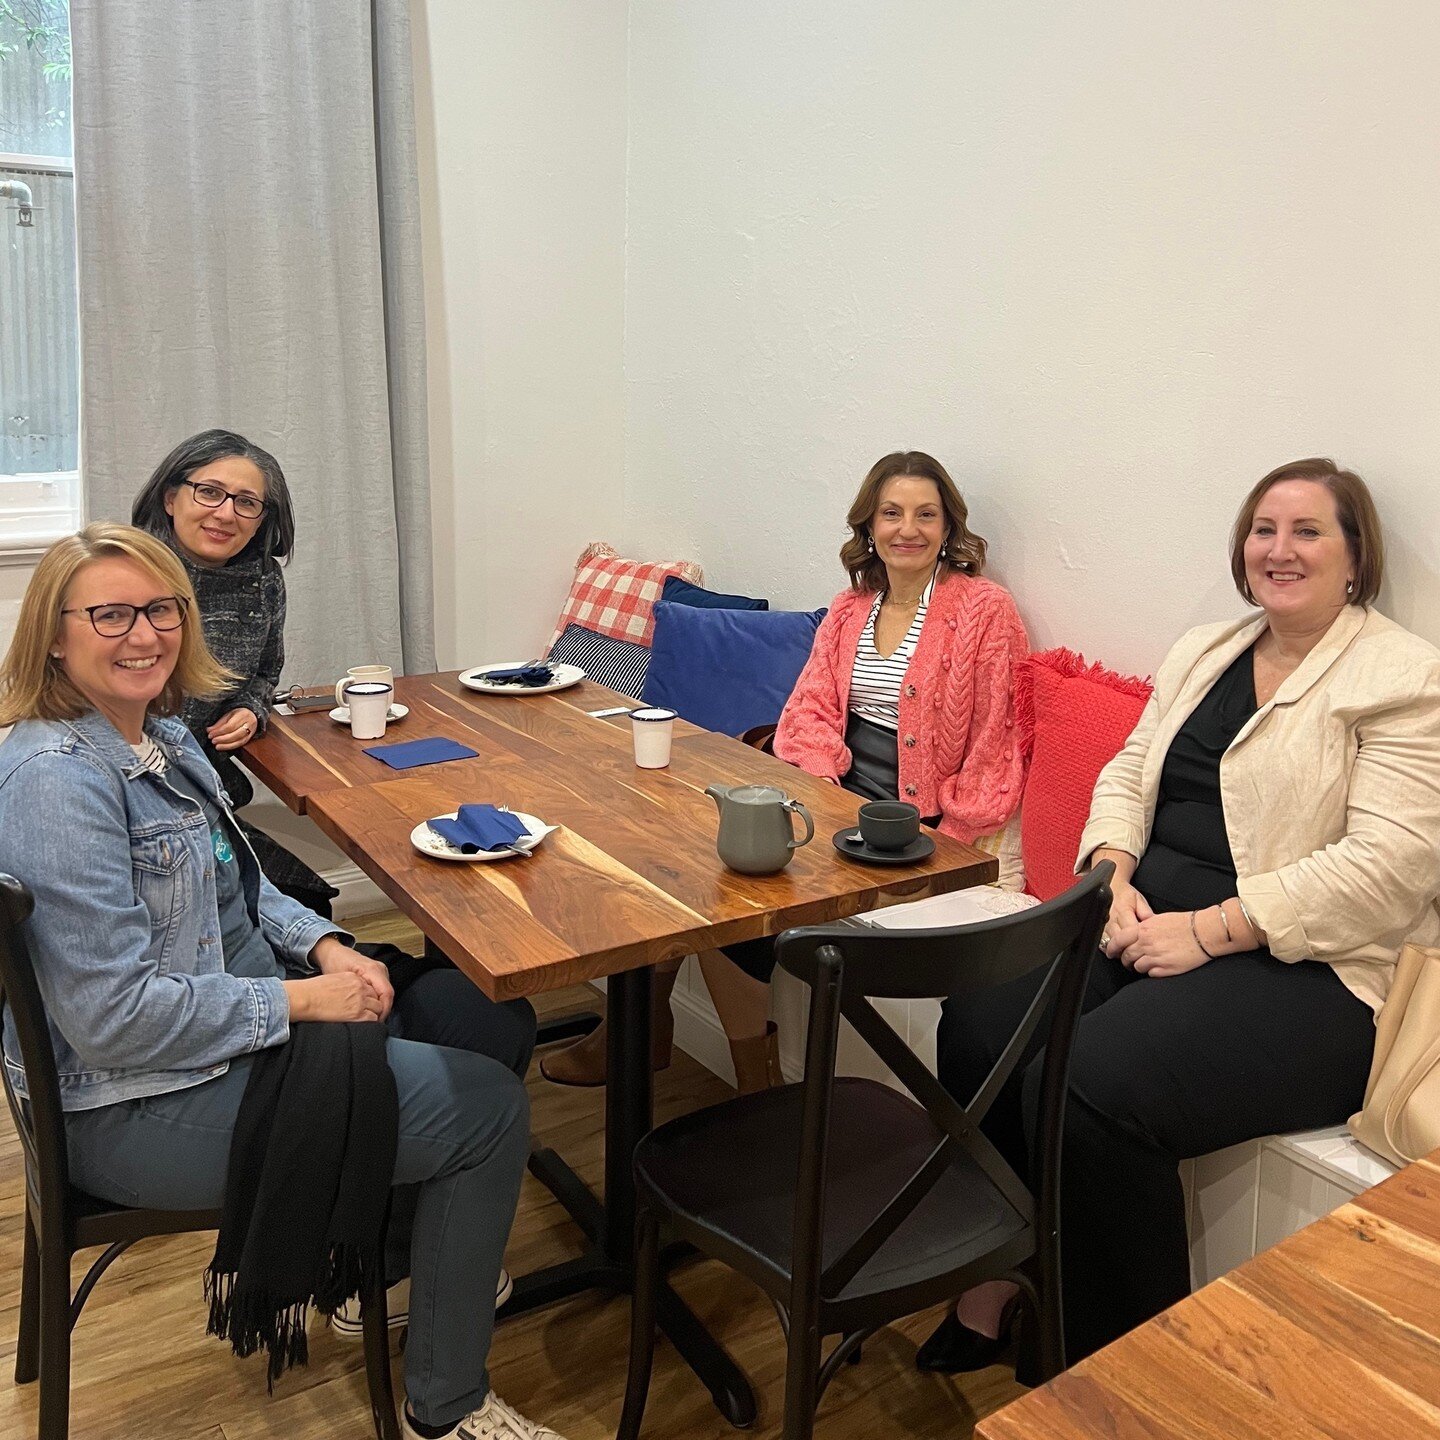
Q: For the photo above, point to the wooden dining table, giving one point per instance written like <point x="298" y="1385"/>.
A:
<point x="631" y="878"/>
<point x="1333" y="1334"/>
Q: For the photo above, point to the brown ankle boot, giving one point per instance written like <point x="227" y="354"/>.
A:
<point x="757" y="1061"/>
<point x="583" y="1063"/>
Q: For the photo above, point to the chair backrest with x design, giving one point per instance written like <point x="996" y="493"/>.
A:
<point x="847" y="966"/>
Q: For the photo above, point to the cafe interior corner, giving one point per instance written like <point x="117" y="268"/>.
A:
<point x="786" y="699"/>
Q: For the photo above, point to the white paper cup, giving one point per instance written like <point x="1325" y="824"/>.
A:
<point x="369" y="704"/>
<point x="376" y="674"/>
<point x="652" y="729"/>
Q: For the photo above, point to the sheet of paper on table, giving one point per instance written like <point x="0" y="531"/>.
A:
<point x="960" y="907"/>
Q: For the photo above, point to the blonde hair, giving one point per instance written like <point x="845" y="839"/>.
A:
<point x="34" y="685"/>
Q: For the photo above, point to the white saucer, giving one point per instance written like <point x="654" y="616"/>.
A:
<point x="565" y="677"/>
<point x="427" y="842"/>
<point x="341" y="714"/>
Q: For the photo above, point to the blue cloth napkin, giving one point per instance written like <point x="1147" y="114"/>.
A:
<point x="480" y="827"/>
<point x="520" y="675"/>
<point x="410" y="753"/>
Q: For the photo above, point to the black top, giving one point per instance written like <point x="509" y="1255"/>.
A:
<point x="1187" y="865"/>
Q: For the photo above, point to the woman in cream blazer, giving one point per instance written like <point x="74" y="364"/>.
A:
<point x="1274" y="821"/>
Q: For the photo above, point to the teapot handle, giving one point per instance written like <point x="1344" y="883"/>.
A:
<point x="796" y="808"/>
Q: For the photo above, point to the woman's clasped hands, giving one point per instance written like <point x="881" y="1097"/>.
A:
<point x="350" y="986"/>
<point x="1150" y="944"/>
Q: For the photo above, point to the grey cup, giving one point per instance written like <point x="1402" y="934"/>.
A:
<point x="889" y="824"/>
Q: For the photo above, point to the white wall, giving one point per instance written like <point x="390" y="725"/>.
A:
<point x="13" y="580"/>
<point x="1110" y="263"/>
<point x="521" y="111"/>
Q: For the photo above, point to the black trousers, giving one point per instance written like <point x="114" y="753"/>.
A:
<point x="1163" y="1070"/>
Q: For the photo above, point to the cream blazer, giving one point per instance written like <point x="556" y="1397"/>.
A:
<point x="1331" y="791"/>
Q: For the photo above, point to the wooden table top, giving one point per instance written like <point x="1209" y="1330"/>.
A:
<point x="1334" y="1332"/>
<point x="632" y="878"/>
<point x="304" y="755"/>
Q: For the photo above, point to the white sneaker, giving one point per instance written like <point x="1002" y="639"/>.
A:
<point x="346" y="1321"/>
<point x="494" y="1420"/>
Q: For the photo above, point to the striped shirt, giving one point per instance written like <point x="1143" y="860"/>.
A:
<point x="876" y="679"/>
<point x="151" y="756"/>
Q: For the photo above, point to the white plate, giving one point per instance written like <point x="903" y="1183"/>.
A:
<point x="427" y="842"/>
<point x="565" y="677"/>
<point x="341" y="714"/>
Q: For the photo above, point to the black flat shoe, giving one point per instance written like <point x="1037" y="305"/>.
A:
<point x="955" y="1348"/>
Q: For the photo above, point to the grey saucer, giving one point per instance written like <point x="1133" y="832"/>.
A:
<point x="852" y="847"/>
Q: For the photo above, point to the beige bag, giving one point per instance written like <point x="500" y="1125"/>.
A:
<point x="1401" y="1118"/>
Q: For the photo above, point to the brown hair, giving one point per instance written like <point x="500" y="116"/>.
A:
<point x="964" y="549"/>
<point x="1358" y="517"/>
<point x="34" y="685"/>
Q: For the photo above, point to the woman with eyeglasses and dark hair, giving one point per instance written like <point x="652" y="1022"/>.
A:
<point x="222" y="505"/>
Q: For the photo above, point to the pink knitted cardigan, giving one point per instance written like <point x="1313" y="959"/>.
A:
<point x="961" y="747"/>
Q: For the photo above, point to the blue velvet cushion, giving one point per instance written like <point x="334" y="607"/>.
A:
<point x="727" y="670"/>
<point x="682" y="592"/>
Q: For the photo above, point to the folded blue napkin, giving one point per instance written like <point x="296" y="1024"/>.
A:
<point x="480" y="827"/>
<point x="520" y="675"/>
<point x="410" y="753"/>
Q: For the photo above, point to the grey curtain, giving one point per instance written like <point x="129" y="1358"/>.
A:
<point x="248" y="218"/>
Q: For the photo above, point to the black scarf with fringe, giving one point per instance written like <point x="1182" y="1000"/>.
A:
<point x="311" y="1162"/>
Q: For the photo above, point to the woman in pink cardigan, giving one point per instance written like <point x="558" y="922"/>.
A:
<point x="909" y="694"/>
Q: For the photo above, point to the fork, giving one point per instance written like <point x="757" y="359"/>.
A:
<point x="524" y="850"/>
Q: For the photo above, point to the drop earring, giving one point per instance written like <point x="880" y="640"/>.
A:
<point x="870" y="543"/>
<point x="1349" y="587"/>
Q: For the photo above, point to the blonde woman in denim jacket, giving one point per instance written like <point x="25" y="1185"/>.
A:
<point x="166" y="959"/>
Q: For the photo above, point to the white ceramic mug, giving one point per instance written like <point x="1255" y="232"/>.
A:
<point x="369" y="703"/>
<point x="653" y="729"/>
<point x="379" y="674"/>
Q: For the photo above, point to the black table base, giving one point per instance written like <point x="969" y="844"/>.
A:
<point x="608" y="1262"/>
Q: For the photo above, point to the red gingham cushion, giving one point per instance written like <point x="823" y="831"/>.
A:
<point x="1079" y="715"/>
<point x="617" y="597"/>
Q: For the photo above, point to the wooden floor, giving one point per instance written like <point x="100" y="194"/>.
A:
<point x="145" y="1370"/>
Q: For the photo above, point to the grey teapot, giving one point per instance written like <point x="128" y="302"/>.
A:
<point x="757" y="836"/>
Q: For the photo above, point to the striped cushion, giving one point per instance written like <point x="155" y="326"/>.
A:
<point x="615" y="663"/>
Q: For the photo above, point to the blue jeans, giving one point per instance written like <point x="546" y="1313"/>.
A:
<point x="463" y="1143"/>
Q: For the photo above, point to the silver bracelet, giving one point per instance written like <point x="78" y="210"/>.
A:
<point x="1199" y="943"/>
<point x="1254" y="928"/>
<point x="1225" y="921"/>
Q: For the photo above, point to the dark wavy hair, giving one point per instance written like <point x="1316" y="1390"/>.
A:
<point x="1359" y="521"/>
<point x="964" y="549"/>
<point x="275" y="537"/>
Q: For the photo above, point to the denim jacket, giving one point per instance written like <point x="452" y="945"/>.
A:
<point x="126" y="930"/>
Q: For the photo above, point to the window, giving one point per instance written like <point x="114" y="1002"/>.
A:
<point x="40" y="496"/>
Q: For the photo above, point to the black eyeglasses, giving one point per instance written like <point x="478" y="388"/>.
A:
<point x="212" y="497"/>
<point x="115" y="620"/>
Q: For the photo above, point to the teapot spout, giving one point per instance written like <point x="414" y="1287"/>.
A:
<point x="719" y="794"/>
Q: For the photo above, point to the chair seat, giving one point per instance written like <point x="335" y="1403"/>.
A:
<point x="730" y="1172"/>
<point x="103" y="1222"/>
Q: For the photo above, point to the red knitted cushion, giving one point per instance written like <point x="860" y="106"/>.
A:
<point x="1079" y="716"/>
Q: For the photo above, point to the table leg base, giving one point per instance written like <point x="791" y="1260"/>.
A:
<point x="580" y="1201"/>
<point x="720" y="1375"/>
<point x="590" y="1271"/>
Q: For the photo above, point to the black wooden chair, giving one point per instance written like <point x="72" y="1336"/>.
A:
<point x="851" y="1204"/>
<point x="60" y="1220"/>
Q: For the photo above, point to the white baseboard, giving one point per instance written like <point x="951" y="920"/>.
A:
<point x="699" y="1035"/>
<point x="359" y="894"/>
